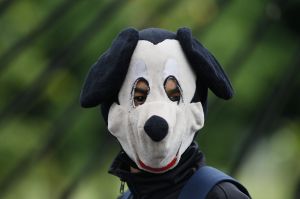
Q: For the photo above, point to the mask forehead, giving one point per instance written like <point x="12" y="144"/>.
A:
<point x="155" y="62"/>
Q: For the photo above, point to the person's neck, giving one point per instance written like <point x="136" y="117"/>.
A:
<point x="134" y="170"/>
<point x="149" y="185"/>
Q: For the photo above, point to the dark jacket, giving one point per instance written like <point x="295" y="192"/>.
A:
<point x="168" y="185"/>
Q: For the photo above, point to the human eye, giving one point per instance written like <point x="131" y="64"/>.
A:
<point x="140" y="91"/>
<point x="172" y="89"/>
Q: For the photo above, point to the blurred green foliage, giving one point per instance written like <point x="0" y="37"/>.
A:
<point x="52" y="148"/>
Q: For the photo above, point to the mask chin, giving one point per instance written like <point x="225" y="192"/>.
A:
<point x="127" y="125"/>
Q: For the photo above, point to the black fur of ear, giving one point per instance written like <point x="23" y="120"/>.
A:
<point x="205" y="65"/>
<point x="106" y="76"/>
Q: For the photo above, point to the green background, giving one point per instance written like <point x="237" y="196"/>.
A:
<point x="50" y="147"/>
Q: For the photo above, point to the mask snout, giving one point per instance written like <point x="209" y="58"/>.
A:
<point x="156" y="128"/>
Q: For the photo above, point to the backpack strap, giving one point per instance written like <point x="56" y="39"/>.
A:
<point x="203" y="180"/>
<point x="126" y="195"/>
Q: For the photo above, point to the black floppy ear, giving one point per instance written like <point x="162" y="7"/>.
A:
<point x="204" y="64"/>
<point x="106" y="76"/>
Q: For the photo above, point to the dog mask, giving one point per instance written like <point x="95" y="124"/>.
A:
<point x="153" y="125"/>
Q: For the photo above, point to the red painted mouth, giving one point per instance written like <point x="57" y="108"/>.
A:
<point x="160" y="169"/>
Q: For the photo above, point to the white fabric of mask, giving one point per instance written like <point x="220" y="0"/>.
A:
<point x="155" y="63"/>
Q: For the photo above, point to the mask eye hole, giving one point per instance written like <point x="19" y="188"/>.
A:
<point x="172" y="89"/>
<point x="140" y="91"/>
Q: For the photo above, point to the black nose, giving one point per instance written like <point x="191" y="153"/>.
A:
<point x="156" y="127"/>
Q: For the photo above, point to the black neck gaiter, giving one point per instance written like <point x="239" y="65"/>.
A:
<point x="145" y="185"/>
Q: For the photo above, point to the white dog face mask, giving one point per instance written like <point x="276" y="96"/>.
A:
<point x="152" y="73"/>
<point x="155" y="121"/>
